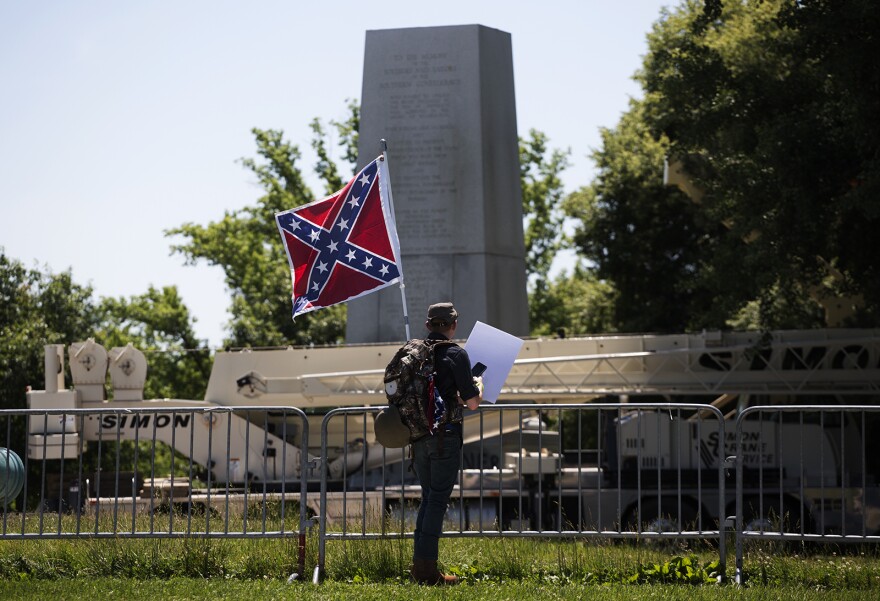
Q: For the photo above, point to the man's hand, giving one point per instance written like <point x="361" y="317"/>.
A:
<point x="473" y="403"/>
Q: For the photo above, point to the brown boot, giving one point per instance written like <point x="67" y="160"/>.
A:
<point x="424" y="571"/>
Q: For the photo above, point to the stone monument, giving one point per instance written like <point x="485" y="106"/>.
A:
<point x="443" y="99"/>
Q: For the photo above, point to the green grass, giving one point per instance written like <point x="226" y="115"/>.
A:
<point x="489" y="568"/>
<point x="217" y="589"/>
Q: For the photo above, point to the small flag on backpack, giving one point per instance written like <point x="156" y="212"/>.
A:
<point x="439" y="411"/>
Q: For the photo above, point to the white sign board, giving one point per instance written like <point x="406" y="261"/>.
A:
<point x="495" y="349"/>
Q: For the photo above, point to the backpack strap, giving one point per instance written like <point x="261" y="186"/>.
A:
<point x="412" y="459"/>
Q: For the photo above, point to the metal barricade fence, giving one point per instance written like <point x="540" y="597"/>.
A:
<point x="599" y="470"/>
<point x="602" y="471"/>
<point x="210" y="472"/>
<point x="804" y="473"/>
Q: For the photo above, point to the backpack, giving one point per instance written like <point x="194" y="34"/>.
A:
<point x="409" y="386"/>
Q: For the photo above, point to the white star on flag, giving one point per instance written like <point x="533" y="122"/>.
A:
<point x="322" y="267"/>
<point x="368" y="262"/>
<point x="343" y="224"/>
<point x="350" y="255"/>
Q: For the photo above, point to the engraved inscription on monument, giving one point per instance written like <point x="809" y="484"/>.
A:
<point x="421" y="88"/>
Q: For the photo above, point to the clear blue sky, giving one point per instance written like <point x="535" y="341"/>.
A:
<point x="119" y="120"/>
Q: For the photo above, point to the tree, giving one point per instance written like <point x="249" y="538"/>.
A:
<point x="641" y="238"/>
<point x="40" y="307"/>
<point x="347" y="132"/>
<point x="542" y="193"/>
<point x="36" y="309"/>
<point x="247" y="246"/>
<point x="577" y="303"/>
<point x="543" y="219"/>
<point x="773" y="111"/>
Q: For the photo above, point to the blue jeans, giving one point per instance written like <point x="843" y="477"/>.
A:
<point x="437" y="469"/>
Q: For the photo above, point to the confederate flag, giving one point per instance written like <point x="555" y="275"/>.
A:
<point x="344" y="246"/>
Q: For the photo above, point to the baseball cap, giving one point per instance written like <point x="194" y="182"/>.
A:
<point x="442" y="312"/>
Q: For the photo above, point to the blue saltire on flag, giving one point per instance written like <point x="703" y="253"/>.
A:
<point x="343" y="246"/>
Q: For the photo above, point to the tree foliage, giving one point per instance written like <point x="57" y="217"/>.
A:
<point x="41" y="307"/>
<point x="347" y="138"/>
<point x="575" y="303"/>
<point x="772" y="110"/>
<point x="246" y="245"/>
<point x="542" y="193"/>
<point x="640" y="235"/>
<point x="540" y="170"/>
<point x="36" y="309"/>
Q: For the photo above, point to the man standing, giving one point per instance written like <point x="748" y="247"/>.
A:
<point x="437" y="457"/>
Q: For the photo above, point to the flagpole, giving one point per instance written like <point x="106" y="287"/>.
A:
<point x="402" y="286"/>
